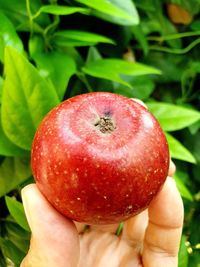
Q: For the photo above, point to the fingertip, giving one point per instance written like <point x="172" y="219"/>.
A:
<point x="140" y="102"/>
<point x="172" y="168"/>
<point x="27" y="191"/>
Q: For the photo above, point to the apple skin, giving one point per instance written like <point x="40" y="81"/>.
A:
<point x="99" y="174"/>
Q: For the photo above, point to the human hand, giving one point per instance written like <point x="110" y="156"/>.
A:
<point x="150" y="239"/>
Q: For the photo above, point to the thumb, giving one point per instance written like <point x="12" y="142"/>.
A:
<point x="54" y="241"/>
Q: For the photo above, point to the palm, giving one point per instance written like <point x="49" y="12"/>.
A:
<point x="104" y="248"/>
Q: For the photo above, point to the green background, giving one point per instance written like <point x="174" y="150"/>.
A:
<point x="52" y="50"/>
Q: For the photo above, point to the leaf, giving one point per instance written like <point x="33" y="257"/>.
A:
<point x="16" y="11"/>
<point x="183" y="254"/>
<point x="79" y="38"/>
<point x="182" y="188"/>
<point x="13" y="171"/>
<point x="7" y="148"/>
<point x="10" y="251"/>
<point x="178" y="14"/>
<point x="178" y="151"/>
<point x="127" y="6"/>
<point x="16" y="209"/>
<point x="50" y="66"/>
<point x="173" y="117"/>
<point x="14" y="229"/>
<point x="115" y="9"/>
<point x="1" y="87"/>
<point x="141" y="38"/>
<point x="112" y="69"/>
<point x="195" y="26"/>
<point x="62" y="10"/>
<point x="93" y="54"/>
<point x="18" y="236"/>
<point x="171" y="66"/>
<point x="142" y="87"/>
<point x="36" y="44"/>
<point x="8" y="36"/>
<point x="26" y="99"/>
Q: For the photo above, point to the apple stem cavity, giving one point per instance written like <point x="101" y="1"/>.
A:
<point x="105" y="125"/>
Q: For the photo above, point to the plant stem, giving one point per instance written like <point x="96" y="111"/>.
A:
<point x="28" y="8"/>
<point x="176" y="51"/>
<point x="83" y="78"/>
<point x="173" y="36"/>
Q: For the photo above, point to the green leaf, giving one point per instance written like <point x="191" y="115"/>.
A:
<point x="112" y="69"/>
<point x="11" y="252"/>
<point x="62" y="10"/>
<point x="127" y="6"/>
<point x="13" y="171"/>
<point x="79" y="38"/>
<point x="50" y="65"/>
<point x="26" y="99"/>
<point x="173" y="117"/>
<point x="18" y="236"/>
<point x="36" y="44"/>
<point x="142" y="87"/>
<point x="1" y="87"/>
<point x="178" y="151"/>
<point x="7" y="148"/>
<point x="8" y="36"/>
<point x="141" y="38"/>
<point x="93" y="54"/>
<point x="16" y="209"/>
<point x="14" y="229"/>
<point x="2" y="259"/>
<point x="183" y="254"/>
<point x="125" y="11"/>
<point x="16" y="11"/>
<point x="182" y="188"/>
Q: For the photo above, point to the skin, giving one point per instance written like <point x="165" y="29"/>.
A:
<point x="150" y="239"/>
<point x="88" y="158"/>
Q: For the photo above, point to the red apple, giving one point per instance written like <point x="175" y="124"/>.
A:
<point x="99" y="158"/>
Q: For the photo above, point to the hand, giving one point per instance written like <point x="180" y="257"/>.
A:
<point x="150" y="239"/>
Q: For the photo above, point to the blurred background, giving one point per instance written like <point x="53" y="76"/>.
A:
<point x="53" y="50"/>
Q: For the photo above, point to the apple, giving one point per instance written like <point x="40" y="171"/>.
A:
<point x="100" y="158"/>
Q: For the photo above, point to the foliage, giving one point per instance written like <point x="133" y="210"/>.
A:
<point x="52" y="50"/>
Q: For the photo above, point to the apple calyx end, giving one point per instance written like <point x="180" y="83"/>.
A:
<point x="105" y="125"/>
